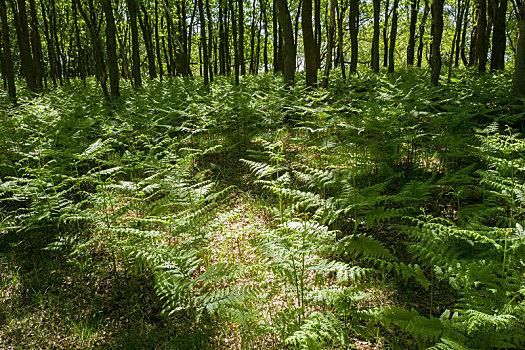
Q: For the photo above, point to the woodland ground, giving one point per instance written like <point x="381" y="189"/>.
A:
<point x="380" y="213"/>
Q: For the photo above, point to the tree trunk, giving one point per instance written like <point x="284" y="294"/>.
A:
<point x="204" y="45"/>
<point x="235" y="42"/>
<point x="414" y="7"/>
<point x="80" y="57"/>
<point x="393" y="35"/>
<point x="354" y="28"/>
<point x="454" y="39"/>
<point x="518" y="84"/>
<point x="157" y="41"/>
<point x="240" y="45"/>
<point x="385" y="35"/>
<point x="111" y="48"/>
<point x="22" y="32"/>
<point x="7" y="61"/>
<point x="317" y="24"/>
<point x="375" y="39"/>
<point x="481" y="36"/>
<point x="422" y="34"/>
<point x="147" y="35"/>
<point x="340" y="37"/>
<point x="100" y="68"/>
<point x="464" y="34"/>
<point x="437" y="33"/>
<point x="330" y="44"/>
<point x="36" y="45"/>
<point x="276" y="65"/>
<point x="50" y="44"/>
<point x="309" y="45"/>
<point x="289" y="49"/>
<point x="499" y="43"/>
<point x="210" y="40"/>
<point x="222" y="51"/>
<point x="135" y="66"/>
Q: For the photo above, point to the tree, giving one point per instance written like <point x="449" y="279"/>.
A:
<point x="111" y="48"/>
<point x="499" y="43"/>
<point x="7" y="61"/>
<point x="354" y="28"/>
<point x="330" y="44"/>
<point x="481" y="43"/>
<point x="204" y="44"/>
<point x="135" y="67"/>
<point x="289" y="48"/>
<point x="437" y="33"/>
<point x="414" y="6"/>
<point x="393" y="36"/>
<point x="375" y="38"/>
<point x="22" y="33"/>
<point x="518" y="84"/>
<point x="310" y="48"/>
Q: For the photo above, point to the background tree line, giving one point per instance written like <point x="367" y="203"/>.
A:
<point x="52" y="41"/>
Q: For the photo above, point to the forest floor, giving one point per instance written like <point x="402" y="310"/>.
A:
<point x="238" y="217"/>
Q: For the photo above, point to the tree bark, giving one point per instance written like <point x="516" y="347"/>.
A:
<point x="437" y="33"/>
<point x="204" y="45"/>
<point x="36" y="45"/>
<point x="499" y="43"/>
<point x="135" y="57"/>
<point x="147" y="35"/>
<point x="111" y="48"/>
<point x="414" y="7"/>
<point x="100" y="67"/>
<point x="481" y="36"/>
<point x="354" y="28"/>
<point x="7" y="60"/>
<point x="210" y="40"/>
<point x="289" y="49"/>
<point x="385" y="35"/>
<point x="240" y="45"/>
<point x="375" y="38"/>
<point x="393" y="35"/>
<point x="309" y="45"/>
<point x="317" y="24"/>
<point x="330" y="44"/>
<point x="422" y="34"/>
<point x="157" y="41"/>
<point x="518" y="84"/>
<point x="22" y="31"/>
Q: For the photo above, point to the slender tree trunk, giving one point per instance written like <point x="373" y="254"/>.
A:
<point x="309" y="45"/>
<point x="422" y="34"/>
<point x="252" y="41"/>
<point x="414" y="7"/>
<point x="147" y="35"/>
<point x="222" y="53"/>
<point x="157" y="41"/>
<point x="80" y="56"/>
<point x="499" y="43"/>
<point x="50" y="44"/>
<point x="464" y="35"/>
<point x="235" y="42"/>
<point x="330" y="44"/>
<point x="375" y="39"/>
<point x="240" y="45"/>
<point x="205" y="61"/>
<point x="289" y="49"/>
<point x="473" y="58"/>
<point x="53" y="26"/>
<point x="265" y="23"/>
<point x="454" y="40"/>
<point x="111" y="48"/>
<point x="276" y="66"/>
<point x="437" y="33"/>
<point x="459" y="27"/>
<point x="385" y="34"/>
<point x="135" y="67"/>
<point x="518" y="84"/>
<point x="22" y="32"/>
<point x="354" y="28"/>
<point x="36" y="45"/>
<point x="317" y="24"/>
<point x="393" y="35"/>
<point x="100" y="68"/>
<point x="210" y="40"/>
<point x="7" y="61"/>
<point x="481" y="36"/>
<point x="340" y="44"/>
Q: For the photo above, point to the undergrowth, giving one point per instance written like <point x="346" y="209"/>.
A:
<point x="379" y="213"/>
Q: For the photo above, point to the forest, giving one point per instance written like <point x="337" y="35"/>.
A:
<point x="256" y="174"/>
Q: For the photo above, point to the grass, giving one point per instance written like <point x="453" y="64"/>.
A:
<point x="104" y="205"/>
